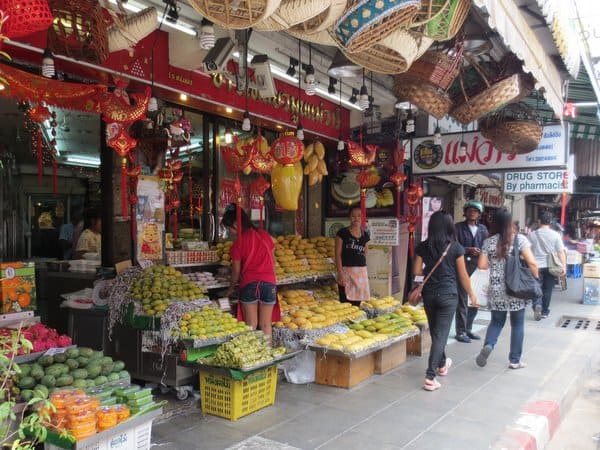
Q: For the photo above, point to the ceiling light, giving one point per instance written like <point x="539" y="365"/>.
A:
<point x="331" y="87"/>
<point x="342" y="67"/>
<point x="207" y="34"/>
<point x="246" y="125"/>
<point x="353" y="98"/>
<point x="340" y="144"/>
<point x="183" y="97"/>
<point x="228" y="110"/>
<point x="363" y="98"/>
<point x="48" y="69"/>
<point x="437" y="136"/>
<point x="410" y="123"/>
<point x="300" y="132"/>
<point x="291" y="70"/>
<point x="152" y="104"/>
<point x="87" y="161"/>
<point x="311" y="85"/>
<point x="228" y="136"/>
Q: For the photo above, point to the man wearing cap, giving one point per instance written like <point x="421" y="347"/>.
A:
<point x="470" y="234"/>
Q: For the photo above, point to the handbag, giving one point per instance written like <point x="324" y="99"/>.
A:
<point x="520" y="282"/>
<point x="480" y="281"/>
<point x="414" y="296"/>
<point x="555" y="267"/>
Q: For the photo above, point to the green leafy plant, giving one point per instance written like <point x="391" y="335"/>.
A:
<point x="22" y="426"/>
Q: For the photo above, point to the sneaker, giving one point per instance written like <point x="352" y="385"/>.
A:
<point x="481" y="359"/>
<point x="518" y="365"/>
<point x="463" y="338"/>
<point x="431" y="385"/>
<point x="537" y="312"/>
<point x="544" y="316"/>
<point x="473" y="336"/>
<point x="443" y="371"/>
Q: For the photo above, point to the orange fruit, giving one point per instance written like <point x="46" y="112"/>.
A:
<point x="26" y="287"/>
<point x="12" y="294"/>
<point x="24" y="300"/>
<point x="6" y="307"/>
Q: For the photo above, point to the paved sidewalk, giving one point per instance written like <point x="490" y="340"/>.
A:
<point x="471" y="410"/>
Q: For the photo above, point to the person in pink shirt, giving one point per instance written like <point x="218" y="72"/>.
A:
<point x="253" y="270"/>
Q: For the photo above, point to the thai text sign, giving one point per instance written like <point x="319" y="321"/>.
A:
<point x="481" y="155"/>
<point x="384" y="231"/>
<point x="491" y="197"/>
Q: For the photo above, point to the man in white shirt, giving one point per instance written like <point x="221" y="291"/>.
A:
<point x="543" y="242"/>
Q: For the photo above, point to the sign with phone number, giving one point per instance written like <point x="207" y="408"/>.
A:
<point x="384" y="231"/>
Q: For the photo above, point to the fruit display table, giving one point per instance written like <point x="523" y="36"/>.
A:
<point x="420" y="344"/>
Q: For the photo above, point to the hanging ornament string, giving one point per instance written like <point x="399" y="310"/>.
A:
<point x="53" y="152"/>
<point x="190" y="189"/>
<point x="414" y="193"/>
<point x="122" y="143"/>
<point x="39" y="154"/>
<point x="398" y="177"/>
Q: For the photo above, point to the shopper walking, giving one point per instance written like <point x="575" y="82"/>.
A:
<point x="351" y="260"/>
<point x="470" y="234"/>
<point x="493" y="257"/>
<point x="544" y="242"/>
<point x="440" y="292"/>
<point x="253" y="269"/>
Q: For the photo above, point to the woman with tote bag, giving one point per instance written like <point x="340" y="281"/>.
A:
<point x="494" y="254"/>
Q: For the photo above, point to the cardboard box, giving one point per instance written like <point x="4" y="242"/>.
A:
<point x="17" y="287"/>
<point x="591" y="270"/>
<point x="591" y="291"/>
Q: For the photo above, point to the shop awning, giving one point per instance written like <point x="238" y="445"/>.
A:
<point x="506" y="18"/>
<point x="585" y="131"/>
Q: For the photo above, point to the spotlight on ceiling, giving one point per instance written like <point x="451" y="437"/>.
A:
<point x="331" y="87"/>
<point x="172" y="11"/>
<point x="291" y="70"/>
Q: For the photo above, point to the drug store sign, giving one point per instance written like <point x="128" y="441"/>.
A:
<point x="481" y="155"/>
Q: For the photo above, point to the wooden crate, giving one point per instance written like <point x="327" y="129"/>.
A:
<point x="341" y="371"/>
<point x="419" y="345"/>
<point x="390" y="357"/>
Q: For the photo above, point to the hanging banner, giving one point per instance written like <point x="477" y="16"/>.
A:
<point x="541" y="181"/>
<point x="150" y="217"/>
<point x="481" y="155"/>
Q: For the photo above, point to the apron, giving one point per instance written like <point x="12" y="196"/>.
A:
<point x="356" y="280"/>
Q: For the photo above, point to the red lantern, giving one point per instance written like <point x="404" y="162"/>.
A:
<point x="25" y="17"/>
<point x="122" y="143"/>
<point x="287" y="150"/>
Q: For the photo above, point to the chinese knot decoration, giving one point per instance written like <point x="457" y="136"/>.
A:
<point x="398" y="177"/>
<point x="414" y="193"/>
<point x="171" y="177"/>
<point x="362" y="157"/>
<point x="121" y="142"/>
<point x="258" y="188"/>
<point x="38" y="115"/>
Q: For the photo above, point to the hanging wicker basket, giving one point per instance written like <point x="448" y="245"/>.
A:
<point x="513" y="129"/>
<point x="423" y="95"/>
<point x="324" y="20"/>
<point x="493" y="96"/>
<point x="322" y="37"/>
<point x="128" y="31"/>
<point x="438" y="66"/>
<point x="79" y="30"/>
<point x="292" y="12"/>
<point x="367" y="22"/>
<point x="446" y="18"/>
<point x="235" y="14"/>
<point x="25" y="17"/>
<point x="394" y="54"/>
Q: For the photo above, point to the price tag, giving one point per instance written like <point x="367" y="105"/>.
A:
<point x="224" y="304"/>
<point x="55" y="351"/>
<point x="145" y="263"/>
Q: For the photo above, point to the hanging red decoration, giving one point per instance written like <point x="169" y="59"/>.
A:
<point x="414" y="193"/>
<point x="39" y="114"/>
<point x="115" y="107"/>
<point x="258" y="188"/>
<point x="262" y="163"/>
<point x="359" y="156"/>
<point x="25" y="17"/>
<point x="53" y="152"/>
<point x="363" y="179"/>
<point x="236" y="159"/>
<point x="287" y="150"/>
<point x="398" y="178"/>
<point x="122" y="143"/>
<point x="36" y="88"/>
<point x="399" y="153"/>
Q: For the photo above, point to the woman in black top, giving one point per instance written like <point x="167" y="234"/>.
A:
<point x="440" y="293"/>
<point x="351" y="260"/>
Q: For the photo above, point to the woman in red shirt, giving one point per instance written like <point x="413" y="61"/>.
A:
<point x="253" y="269"/>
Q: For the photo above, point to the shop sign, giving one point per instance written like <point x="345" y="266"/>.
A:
<point x="538" y="182"/>
<point x="490" y="197"/>
<point x="481" y="155"/>
<point x="384" y="231"/>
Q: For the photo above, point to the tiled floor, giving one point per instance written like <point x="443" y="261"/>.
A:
<point x="392" y="411"/>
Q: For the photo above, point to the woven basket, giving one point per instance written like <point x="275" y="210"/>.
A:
<point x="422" y="94"/>
<point x="322" y="37"/>
<point x="87" y="40"/>
<point x="235" y="14"/>
<point x="507" y="89"/>
<point x="292" y="12"/>
<point x="324" y="20"/>
<point x="429" y="10"/>
<point x="438" y="67"/>
<point x="368" y="22"/>
<point x="25" y="17"/>
<point x="394" y="54"/>
<point x="448" y="22"/>
<point x="128" y="31"/>
<point x="513" y="129"/>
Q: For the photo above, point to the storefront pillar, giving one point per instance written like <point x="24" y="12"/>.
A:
<point x="108" y="206"/>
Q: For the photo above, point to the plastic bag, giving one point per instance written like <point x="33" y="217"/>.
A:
<point x="301" y="369"/>
<point x="480" y="281"/>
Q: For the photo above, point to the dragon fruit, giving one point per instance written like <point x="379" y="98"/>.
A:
<point x="64" y="341"/>
<point x="41" y="337"/>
